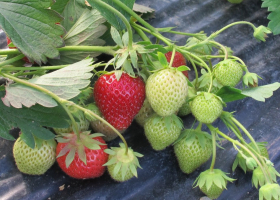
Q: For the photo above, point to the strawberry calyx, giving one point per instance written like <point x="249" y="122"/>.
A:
<point x="258" y="178"/>
<point x="124" y="162"/>
<point x="78" y="146"/>
<point x="260" y="33"/>
<point x="251" y="79"/>
<point x="191" y="135"/>
<point x="212" y="182"/>
<point x="269" y="191"/>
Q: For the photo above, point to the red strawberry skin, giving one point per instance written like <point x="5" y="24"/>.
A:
<point x="119" y="101"/>
<point x="77" y="169"/>
<point x="178" y="61"/>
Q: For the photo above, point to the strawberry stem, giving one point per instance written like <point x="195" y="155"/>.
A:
<point x="133" y="14"/>
<point x="172" y="57"/>
<point x="140" y="32"/>
<point x="203" y="64"/>
<point x="157" y="35"/>
<point x="104" y="49"/>
<point x="246" y="132"/>
<point x="266" y="174"/>
<point x="213" y="132"/>
<point x="222" y="46"/>
<point x="228" y="26"/>
<point x="9" y="61"/>
<point x="120" y="15"/>
<point x="195" y="69"/>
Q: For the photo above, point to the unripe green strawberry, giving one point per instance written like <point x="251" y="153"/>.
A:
<point x="214" y="192"/>
<point x="192" y="149"/>
<point x="145" y="112"/>
<point x="123" y="163"/>
<point x="83" y="125"/>
<point x="212" y="182"/>
<point x="228" y="72"/>
<point x="162" y="131"/>
<point x="34" y="161"/>
<point x="206" y="107"/>
<point x="166" y="91"/>
<point x="100" y="127"/>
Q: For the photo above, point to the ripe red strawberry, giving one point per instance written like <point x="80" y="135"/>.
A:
<point x="178" y="61"/>
<point x="119" y="100"/>
<point x="95" y="157"/>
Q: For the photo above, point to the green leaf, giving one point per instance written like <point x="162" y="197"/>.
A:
<point x="262" y="92"/>
<point x="71" y="10"/>
<point x="28" y="138"/>
<point x="85" y="32"/>
<point x="111" y="17"/>
<point x="56" y="82"/>
<point x="145" y="12"/>
<point x="229" y="94"/>
<point x="273" y="7"/>
<point x="162" y="59"/>
<point x="31" y="120"/>
<point x="31" y="27"/>
<point x="116" y="36"/>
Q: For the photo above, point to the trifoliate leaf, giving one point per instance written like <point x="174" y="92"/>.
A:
<point x="56" y="82"/>
<point x="229" y="94"/>
<point x="273" y="7"/>
<point x="111" y="17"/>
<point x="31" y="26"/>
<point x="85" y="32"/>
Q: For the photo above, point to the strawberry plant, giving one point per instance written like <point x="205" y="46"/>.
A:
<point x="142" y="80"/>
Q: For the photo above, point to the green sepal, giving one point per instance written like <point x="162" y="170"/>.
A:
<point x="162" y="59"/>
<point x="82" y="154"/>
<point x="269" y="191"/>
<point x="122" y="59"/>
<point x="112" y="161"/>
<point x="117" y="168"/>
<point x="110" y="152"/>
<point x="70" y="157"/>
<point x="65" y="150"/>
<point x="124" y="169"/>
<point x="116" y="36"/>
